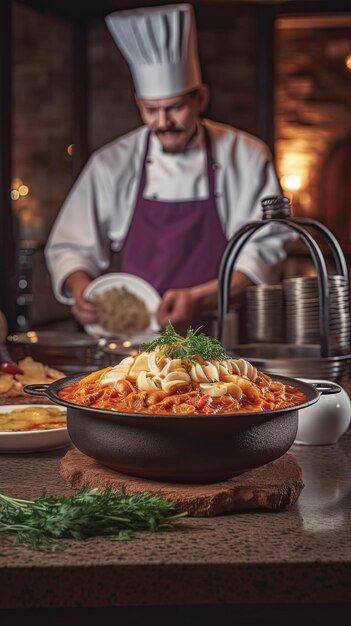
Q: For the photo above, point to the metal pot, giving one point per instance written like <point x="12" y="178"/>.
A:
<point x="187" y="449"/>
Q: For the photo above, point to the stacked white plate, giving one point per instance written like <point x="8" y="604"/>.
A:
<point x="264" y="313"/>
<point x="293" y="360"/>
<point x="302" y="311"/>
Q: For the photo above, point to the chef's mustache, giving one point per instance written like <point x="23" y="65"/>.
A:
<point x="164" y="131"/>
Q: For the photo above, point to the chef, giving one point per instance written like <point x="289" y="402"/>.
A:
<point x="169" y="195"/>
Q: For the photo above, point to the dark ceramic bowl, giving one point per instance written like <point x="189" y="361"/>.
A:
<point x="189" y="448"/>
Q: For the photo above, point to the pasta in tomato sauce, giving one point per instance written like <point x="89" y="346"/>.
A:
<point x="158" y="382"/>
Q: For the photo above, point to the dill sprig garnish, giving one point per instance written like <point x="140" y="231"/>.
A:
<point x="168" y="339"/>
<point x="39" y="523"/>
<point x="187" y="348"/>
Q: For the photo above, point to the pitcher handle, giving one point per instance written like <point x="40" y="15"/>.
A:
<point x="326" y="388"/>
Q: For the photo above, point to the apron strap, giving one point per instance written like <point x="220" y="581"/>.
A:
<point x="211" y="165"/>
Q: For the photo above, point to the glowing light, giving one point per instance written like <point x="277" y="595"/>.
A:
<point x="126" y="344"/>
<point x="14" y="194"/>
<point x="70" y="149"/>
<point x="292" y="182"/>
<point x="23" y="190"/>
<point x="112" y="346"/>
<point x="348" y="62"/>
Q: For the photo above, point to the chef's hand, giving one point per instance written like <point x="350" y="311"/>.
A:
<point x="84" y="311"/>
<point x="178" y="306"/>
<point x="182" y="306"/>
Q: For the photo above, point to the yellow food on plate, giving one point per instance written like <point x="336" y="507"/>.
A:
<point x="32" y="418"/>
<point x="32" y="372"/>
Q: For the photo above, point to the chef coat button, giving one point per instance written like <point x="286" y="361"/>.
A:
<point x="215" y="166"/>
<point x="217" y="194"/>
<point x="148" y="160"/>
<point x="154" y="195"/>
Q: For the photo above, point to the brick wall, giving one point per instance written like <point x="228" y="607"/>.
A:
<point x="41" y="117"/>
<point x="313" y="119"/>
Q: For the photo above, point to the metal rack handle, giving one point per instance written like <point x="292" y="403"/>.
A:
<point x="233" y="250"/>
<point x="338" y="255"/>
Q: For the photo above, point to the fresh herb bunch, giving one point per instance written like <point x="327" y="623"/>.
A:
<point x="187" y="348"/>
<point x="40" y="522"/>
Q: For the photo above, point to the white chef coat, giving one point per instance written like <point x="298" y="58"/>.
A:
<point x="96" y="215"/>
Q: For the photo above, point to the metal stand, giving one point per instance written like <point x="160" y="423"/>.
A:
<point x="276" y="211"/>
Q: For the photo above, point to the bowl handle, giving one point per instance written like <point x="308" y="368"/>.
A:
<point x="37" y="390"/>
<point x="326" y="388"/>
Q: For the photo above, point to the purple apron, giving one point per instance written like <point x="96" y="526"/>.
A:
<point x="174" y="244"/>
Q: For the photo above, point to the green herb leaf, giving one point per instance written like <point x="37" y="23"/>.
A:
<point x="167" y="339"/>
<point x="39" y="523"/>
<point x="195" y="344"/>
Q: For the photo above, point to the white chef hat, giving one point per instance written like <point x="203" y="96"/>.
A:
<point x="159" y="44"/>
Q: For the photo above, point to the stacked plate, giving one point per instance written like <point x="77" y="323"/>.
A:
<point x="264" y="313"/>
<point x="301" y="299"/>
<point x="294" y="360"/>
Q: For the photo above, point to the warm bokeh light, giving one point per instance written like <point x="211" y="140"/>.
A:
<point x="23" y="190"/>
<point x="18" y="189"/>
<point x="112" y="346"/>
<point x="292" y="182"/>
<point x="348" y="62"/>
<point x="70" y="149"/>
<point x="14" y="194"/>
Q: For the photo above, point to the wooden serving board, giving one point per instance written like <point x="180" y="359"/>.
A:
<point x="273" y="486"/>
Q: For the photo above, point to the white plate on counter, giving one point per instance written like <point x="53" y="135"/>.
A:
<point x="32" y="440"/>
<point x="137" y="286"/>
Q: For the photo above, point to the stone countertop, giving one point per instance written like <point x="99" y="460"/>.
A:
<point x="297" y="555"/>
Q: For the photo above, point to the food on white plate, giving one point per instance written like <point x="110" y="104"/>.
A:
<point x="121" y="311"/>
<point x="14" y="377"/>
<point x="183" y="376"/>
<point x="32" y="418"/>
